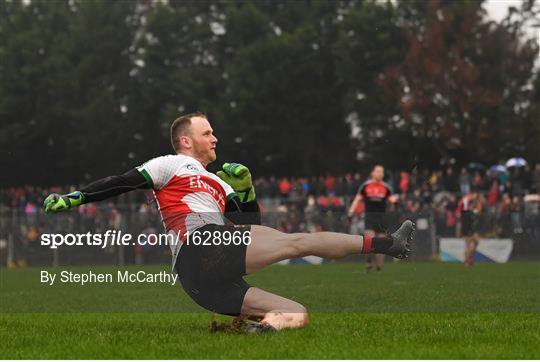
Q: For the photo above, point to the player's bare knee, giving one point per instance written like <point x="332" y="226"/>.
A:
<point x="303" y="318"/>
<point x="300" y="315"/>
<point x="293" y="317"/>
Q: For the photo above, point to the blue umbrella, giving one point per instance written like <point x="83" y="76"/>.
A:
<point x="497" y="169"/>
<point x="516" y="162"/>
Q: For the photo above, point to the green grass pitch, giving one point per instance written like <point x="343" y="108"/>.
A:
<point x="409" y="311"/>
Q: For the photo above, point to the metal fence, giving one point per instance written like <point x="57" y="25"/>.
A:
<point x="20" y="230"/>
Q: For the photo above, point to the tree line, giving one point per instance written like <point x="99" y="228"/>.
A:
<point x="89" y="88"/>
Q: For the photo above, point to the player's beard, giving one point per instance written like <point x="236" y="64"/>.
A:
<point x="209" y="156"/>
<point x="212" y="155"/>
<point x="205" y="155"/>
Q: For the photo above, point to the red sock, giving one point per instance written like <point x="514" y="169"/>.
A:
<point x="367" y="246"/>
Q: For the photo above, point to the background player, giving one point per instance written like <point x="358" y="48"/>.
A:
<point x="468" y="212"/>
<point x="374" y="193"/>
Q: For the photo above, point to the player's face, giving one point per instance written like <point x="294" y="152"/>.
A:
<point x="378" y="173"/>
<point x="203" y="140"/>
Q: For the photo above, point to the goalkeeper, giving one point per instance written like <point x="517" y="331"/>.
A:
<point x="193" y="200"/>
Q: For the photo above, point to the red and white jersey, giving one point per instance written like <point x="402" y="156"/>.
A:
<point x="188" y="195"/>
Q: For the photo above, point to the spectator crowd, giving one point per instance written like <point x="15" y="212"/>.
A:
<point x="511" y="199"/>
<point x="307" y="204"/>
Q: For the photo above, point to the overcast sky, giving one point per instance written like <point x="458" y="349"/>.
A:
<point x="497" y="10"/>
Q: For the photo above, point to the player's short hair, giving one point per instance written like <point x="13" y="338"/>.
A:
<point x="180" y="126"/>
<point x="375" y="166"/>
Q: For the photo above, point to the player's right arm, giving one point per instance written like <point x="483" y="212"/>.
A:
<point x="358" y="198"/>
<point x="96" y="191"/>
<point x="354" y="204"/>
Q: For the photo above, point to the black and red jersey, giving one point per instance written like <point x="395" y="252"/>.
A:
<point x="375" y="194"/>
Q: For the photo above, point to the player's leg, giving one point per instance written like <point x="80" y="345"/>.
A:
<point x="379" y="258"/>
<point x="469" y="250"/>
<point x="379" y="261"/>
<point x="379" y="230"/>
<point x="369" y="262"/>
<point x="374" y="222"/>
<point x="268" y="246"/>
<point x="466" y="258"/>
<point x="276" y="311"/>
<point x="467" y="233"/>
<point x="369" y="257"/>
<point x="475" y="239"/>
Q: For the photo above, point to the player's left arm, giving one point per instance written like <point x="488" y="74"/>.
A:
<point x="242" y="206"/>
<point x="392" y="197"/>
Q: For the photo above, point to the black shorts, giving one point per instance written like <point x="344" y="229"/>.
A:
<point x="468" y="227"/>
<point x="376" y="222"/>
<point x="212" y="275"/>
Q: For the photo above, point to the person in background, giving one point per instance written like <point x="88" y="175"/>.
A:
<point x="375" y="193"/>
<point x="468" y="211"/>
<point x="450" y="182"/>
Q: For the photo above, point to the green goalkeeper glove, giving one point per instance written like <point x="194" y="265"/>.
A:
<point x="55" y="203"/>
<point x="239" y="178"/>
